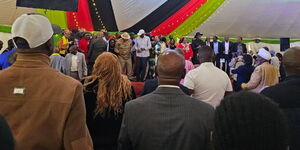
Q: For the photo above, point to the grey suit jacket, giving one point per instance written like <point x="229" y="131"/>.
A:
<point x="82" y="68"/>
<point x="166" y="119"/>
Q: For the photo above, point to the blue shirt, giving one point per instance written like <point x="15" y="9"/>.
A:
<point x="4" y="59"/>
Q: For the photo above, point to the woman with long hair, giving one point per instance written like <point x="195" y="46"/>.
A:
<point x="106" y="92"/>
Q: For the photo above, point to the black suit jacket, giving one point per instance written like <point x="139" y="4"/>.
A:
<point x="286" y="94"/>
<point x="6" y="138"/>
<point x="235" y="47"/>
<point x="219" y="46"/>
<point x="151" y="85"/>
<point x="166" y="119"/>
<point x="231" y="45"/>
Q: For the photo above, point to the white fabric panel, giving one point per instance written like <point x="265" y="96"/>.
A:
<point x="254" y="19"/>
<point x="9" y="12"/>
<point x="129" y="12"/>
<point x="4" y="37"/>
<point x="256" y="46"/>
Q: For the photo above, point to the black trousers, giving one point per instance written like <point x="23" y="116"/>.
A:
<point x="141" y="68"/>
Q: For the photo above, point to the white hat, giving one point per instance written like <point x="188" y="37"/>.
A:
<point x="141" y="32"/>
<point x="125" y="36"/>
<point x="264" y="54"/>
<point x="36" y="29"/>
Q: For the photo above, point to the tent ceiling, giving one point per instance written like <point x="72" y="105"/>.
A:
<point x="254" y="19"/>
<point x="9" y="12"/>
<point x="129" y="12"/>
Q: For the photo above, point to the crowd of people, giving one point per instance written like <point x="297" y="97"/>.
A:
<point x="199" y="95"/>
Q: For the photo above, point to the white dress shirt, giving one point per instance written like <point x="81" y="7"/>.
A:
<point x="143" y="43"/>
<point x="226" y="48"/>
<point x="74" y="64"/>
<point x="209" y="83"/>
<point x="216" y="47"/>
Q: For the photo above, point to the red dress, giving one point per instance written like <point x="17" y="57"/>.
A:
<point x="187" y="50"/>
<point x="83" y="46"/>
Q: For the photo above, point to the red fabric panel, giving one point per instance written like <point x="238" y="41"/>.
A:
<point x="178" y="18"/>
<point x="138" y="87"/>
<point x="82" y="18"/>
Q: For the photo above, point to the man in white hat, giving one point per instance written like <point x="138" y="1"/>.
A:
<point x="123" y="49"/>
<point x="264" y="75"/>
<point x="142" y="46"/>
<point x="43" y="107"/>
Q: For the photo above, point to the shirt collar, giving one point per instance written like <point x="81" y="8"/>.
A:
<point x="32" y="59"/>
<point x="169" y="86"/>
<point x="207" y="64"/>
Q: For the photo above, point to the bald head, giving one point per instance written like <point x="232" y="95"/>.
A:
<point x="170" y="68"/>
<point x="206" y="54"/>
<point x="291" y="61"/>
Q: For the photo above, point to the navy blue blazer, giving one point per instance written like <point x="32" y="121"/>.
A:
<point x="231" y="45"/>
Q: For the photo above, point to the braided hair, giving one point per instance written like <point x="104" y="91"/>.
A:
<point x="248" y="121"/>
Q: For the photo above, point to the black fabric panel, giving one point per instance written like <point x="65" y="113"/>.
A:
<point x="106" y="13"/>
<point x="65" y="5"/>
<point x="158" y="16"/>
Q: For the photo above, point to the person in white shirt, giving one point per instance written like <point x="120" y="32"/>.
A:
<point x="75" y="63"/>
<point x="207" y="82"/>
<point x="142" y="47"/>
<point x="274" y="59"/>
<point x="217" y="47"/>
<point x="226" y="54"/>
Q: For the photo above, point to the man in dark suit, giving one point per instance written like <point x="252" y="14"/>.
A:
<point x="96" y="48"/>
<point x="217" y="47"/>
<point x="239" y="48"/>
<point x="196" y="44"/>
<point x="167" y="119"/>
<point x="226" y="54"/>
<point x="287" y="93"/>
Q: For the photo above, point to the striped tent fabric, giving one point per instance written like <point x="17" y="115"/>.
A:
<point x="174" y="17"/>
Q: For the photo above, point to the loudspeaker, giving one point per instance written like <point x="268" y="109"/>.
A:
<point x="65" y="5"/>
<point x="284" y="44"/>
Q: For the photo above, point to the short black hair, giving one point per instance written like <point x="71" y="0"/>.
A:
<point x="249" y="121"/>
<point x="1" y="43"/>
<point x="248" y="60"/>
<point x="279" y="55"/>
<point x="205" y="49"/>
<point x="163" y="39"/>
<point x="266" y="48"/>
<point x="21" y="43"/>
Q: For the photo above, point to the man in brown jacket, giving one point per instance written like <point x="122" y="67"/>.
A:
<point x="123" y="48"/>
<point x="40" y="114"/>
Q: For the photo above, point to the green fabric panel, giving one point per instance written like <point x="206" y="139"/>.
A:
<point x="56" y="38"/>
<point x="5" y="29"/>
<point x="197" y="18"/>
<point x="56" y="17"/>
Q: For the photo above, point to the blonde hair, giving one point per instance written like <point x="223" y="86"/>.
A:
<point x="113" y="87"/>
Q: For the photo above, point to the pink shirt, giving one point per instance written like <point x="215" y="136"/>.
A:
<point x="188" y="67"/>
